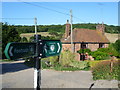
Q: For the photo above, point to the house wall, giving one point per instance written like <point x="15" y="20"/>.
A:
<point x="66" y="47"/>
<point x="92" y="47"/>
<point x="106" y="45"/>
<point x="77" y="47"/>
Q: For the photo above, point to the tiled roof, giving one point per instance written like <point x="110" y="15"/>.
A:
<point x="86" y="35"/>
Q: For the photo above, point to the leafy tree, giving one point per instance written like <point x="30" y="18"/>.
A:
<point x="9" y="34"/>
<point x="31" y="39"/>
<point x="117" y="46"/>
<point x="24" y="39"/>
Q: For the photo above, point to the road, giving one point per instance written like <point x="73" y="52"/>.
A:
<point x="17" y="75"/>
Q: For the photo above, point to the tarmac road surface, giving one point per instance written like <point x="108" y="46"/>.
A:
<point x="17" y="75"/>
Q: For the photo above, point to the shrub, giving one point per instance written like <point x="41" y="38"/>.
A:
<point x="99" y="55"/>
<point x="93" y="63"/>
<point x="102" y="71"/>
<point x="84" y="51"/>
<point x="66" y="58"/>
<point x="49" y="62"/>
<point x="80" y="64"/>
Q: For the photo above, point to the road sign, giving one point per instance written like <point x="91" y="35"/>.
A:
<point x="51" y="48"/>
<point x="45" y="48"/>
<point x="16" y="50"/>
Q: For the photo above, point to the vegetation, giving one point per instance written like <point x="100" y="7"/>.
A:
<point x="117" y="47"/>
<point x="59" y="29"/>
<point x="104" y="53"/>
<point x="102" y="70"/>
<point x="9" y="34"/>
<point x="86" y="50"/>
<point x="99" y="55"/>
<point x="61" y="63"/>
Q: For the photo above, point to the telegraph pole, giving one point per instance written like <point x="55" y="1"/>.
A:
<point x="37" y="74"/>
<point x="72" y="48"/>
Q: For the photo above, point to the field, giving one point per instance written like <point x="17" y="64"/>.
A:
<point x="111" y="37"/>
<point x="28" y="35"/>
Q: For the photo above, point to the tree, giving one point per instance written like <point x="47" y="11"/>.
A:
<point x="24" y="39"/>
<point x="9" y="34"/>
<point x="117" y="46"/>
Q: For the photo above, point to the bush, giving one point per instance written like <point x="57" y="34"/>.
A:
<point x="99" y="55"/>
<point x="66" y="61"/>
<point x="66" y="58"/>
<point x="102" y="71"/>
<point x="84" y="51"/>
<point x="93" y="63"/>
<point x="80" y="64"/>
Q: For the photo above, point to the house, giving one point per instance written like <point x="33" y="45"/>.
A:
<point x="84" y="38"/>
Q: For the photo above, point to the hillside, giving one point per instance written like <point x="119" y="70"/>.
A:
<point x="111" y="37"/>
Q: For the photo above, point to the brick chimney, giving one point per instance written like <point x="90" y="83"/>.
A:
<point x="67" y="29"/>
<point x="101" y="28"/>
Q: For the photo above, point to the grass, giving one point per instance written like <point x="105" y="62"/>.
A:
<point x="6" y="60"/>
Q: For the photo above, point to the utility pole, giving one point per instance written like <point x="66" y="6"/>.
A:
<point x="37" y="74"/>
<point x="35" y="20"/>
<point x="72" y="48"/>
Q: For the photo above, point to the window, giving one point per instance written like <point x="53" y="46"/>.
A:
<point x="83" y="45"/>
<point x="101" y="45"/>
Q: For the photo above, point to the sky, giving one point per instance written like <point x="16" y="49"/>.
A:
<point x="49" y="13"/>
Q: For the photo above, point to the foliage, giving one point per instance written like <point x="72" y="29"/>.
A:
<point x="29" y="62"/>
<point x="80" y="64"/>
<point x="84" y="50"/>
<point x="105" y="53"/>
<point x="99" y="55"/>
<point x="9" y="34"/>
<point x="93" y="63"/>
<point x="31" y="39"/>
<point x="66" y="61"/>
<point x="61" y="28"/>
<point x="66" y="58"/>
<point x="24" y="39"/>
<point x="117" y="47"/>
<point x="110" y="50"/>
<point x="102" y="71"/>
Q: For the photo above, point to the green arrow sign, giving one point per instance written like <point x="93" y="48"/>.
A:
<point x="18" y="50"/>
<point x="51" y="48"/>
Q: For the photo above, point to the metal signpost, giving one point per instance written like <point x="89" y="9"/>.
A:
<point x="39" y="49"/>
